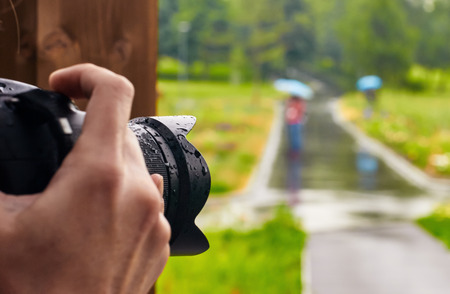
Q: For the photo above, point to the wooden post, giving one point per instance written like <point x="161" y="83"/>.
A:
<point x="40" y="36"/>
<point x="117" y="34"/>
<point x="18" y="40"/>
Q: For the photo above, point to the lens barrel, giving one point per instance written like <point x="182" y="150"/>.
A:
<point x="187" y="180"/>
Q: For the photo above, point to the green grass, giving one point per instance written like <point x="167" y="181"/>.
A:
<point x="266" y="260"/>
<point x="416" y="125"/>
<point x="438" y="224"/>
<point x="233" y="122"/>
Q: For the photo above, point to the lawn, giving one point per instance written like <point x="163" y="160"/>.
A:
<point x="438" y="224"/>
<point x="265" y="260"/>
<point x="233" y="122"/>
<point x="416" y="125"/>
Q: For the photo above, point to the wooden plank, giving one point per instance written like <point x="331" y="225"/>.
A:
<point x="118" y="34"/>
<point x="18" y="46"/>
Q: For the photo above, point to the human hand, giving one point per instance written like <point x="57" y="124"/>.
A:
<point x="98" y="227"/>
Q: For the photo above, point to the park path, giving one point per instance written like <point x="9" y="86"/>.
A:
<point x="362" y="238"/>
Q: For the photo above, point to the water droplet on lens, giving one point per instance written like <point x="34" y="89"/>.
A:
<point x="204" y="170"/>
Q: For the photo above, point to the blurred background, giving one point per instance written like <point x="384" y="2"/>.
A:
<point x="360" y="205"/>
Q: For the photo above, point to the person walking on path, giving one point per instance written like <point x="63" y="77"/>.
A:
<point x="294" y="116"/>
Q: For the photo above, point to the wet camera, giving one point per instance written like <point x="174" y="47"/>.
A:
<point x="38" y="128"/>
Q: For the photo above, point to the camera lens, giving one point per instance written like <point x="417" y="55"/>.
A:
<point x="186" y="176"/>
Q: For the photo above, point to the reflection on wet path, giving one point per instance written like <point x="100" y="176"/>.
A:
<point x="331" y="160"/>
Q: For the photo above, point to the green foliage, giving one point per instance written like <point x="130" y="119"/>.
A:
<point x="377" y="39"/>
<point x="264" y="260"/>
<point x="339" y="40"/>
<point x="258" y="33"/>
<point x="210" y="35"/>
<point x="432" y="22"/>
<point x="438" y="224"/>
<point x="219" y="72"/>
<point x="168" y="42"/>
<point x="422" y="79"/>
<point x="168" y="67"/>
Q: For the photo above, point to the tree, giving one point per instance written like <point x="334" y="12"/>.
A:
<point x="377" y="39"/>
<point x="299" y="40"/>
<point x="167" y="41"/>
<point x="433" y="24"/>
<point x="209" y="37"/>
<point x="258" y="34"/>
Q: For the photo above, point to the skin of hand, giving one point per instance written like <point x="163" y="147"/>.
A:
<point x="99" y="226"/>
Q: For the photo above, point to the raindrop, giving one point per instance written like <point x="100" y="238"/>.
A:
<point x="204" y="170"/>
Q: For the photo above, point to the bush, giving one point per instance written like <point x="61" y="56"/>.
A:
<point x="169" y="67"/>
<point x="219" y="72"/>
<point x="420" y="79"/>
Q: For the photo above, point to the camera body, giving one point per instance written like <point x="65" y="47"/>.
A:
<point x="38" y="129"/>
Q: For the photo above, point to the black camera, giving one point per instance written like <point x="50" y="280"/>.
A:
<point x="38" y="128"/>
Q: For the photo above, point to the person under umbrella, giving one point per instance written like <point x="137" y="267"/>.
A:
<point x="295" y="110"/>
<point x="368" y="85"/>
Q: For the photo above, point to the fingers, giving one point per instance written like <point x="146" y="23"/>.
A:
<point x="110" y="99"/>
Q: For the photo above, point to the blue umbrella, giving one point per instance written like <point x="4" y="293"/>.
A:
<point x="294" y="87"/>
<point x="369" y="83"/>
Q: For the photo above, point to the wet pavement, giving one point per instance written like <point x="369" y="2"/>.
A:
<point x="331" y="159"/>
<point x="358" y="212"/>
<point x="390" y="259"/>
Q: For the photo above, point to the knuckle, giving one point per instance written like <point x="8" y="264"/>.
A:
<point x="150" y="203"/>
<point x="117" y="83"/>
<point x="166" y="231"/>
<point x="90" y="66"/>
<point x="161" y="231"/>
<point x="121" y="84"/>
<point x="108" y="175"/>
